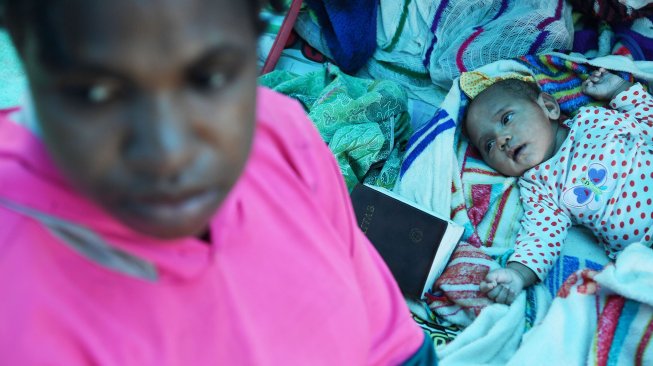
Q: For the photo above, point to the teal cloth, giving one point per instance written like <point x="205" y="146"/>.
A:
<point x="365" y="122"/>
<point x="13" y="85"/>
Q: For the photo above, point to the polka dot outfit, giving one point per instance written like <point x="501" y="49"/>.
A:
<point x="600" y="178"/>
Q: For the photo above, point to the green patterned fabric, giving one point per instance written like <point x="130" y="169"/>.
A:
<point x="364" y="122"/>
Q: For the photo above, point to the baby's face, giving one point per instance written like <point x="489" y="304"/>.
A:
<point x="512" y="134"/>
<point x="148" y="106"/>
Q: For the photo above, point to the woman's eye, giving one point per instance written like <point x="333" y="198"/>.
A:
<point x="99" y="94"/>
<point x="94" y="93"/>
<point x="209" y="81"/>
<point x="506" y="118"/>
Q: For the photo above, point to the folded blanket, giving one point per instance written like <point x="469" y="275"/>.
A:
<point x="467" y="35"/>
<point x="456" y="296"/>
<point x="598" y="318"/>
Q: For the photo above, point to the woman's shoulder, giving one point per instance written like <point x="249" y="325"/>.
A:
<point x="282" y="113"/>
<point x="288" y="149"/>
<point x="284" y="129"/>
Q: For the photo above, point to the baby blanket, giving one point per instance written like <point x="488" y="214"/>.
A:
<point x="598" y="318"/>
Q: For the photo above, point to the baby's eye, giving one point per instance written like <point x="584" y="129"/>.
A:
<point x="489" y="145"/>
<point x="506" y="118"/>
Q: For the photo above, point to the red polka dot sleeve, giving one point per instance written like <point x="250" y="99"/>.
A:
<point x="636" y="102"/>
<point x="543" y="229"/>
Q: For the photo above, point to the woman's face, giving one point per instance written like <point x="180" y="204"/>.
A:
<point x="148" y="107"/>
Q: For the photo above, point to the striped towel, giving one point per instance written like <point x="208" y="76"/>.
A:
<point x="456" y="296"/>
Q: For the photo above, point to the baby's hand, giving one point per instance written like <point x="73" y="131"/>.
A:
<point x="603" y="85"/>
<point x="502" y="285"/>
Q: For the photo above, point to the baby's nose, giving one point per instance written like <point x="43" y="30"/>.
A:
<point x="503" y="140"/>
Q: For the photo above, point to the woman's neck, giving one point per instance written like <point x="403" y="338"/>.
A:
<point x="205" y="237"/>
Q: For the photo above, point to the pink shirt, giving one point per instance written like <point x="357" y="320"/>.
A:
<point x="289" y="279"/>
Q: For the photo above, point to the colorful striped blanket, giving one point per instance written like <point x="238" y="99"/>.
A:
<point x="598" y="318"/>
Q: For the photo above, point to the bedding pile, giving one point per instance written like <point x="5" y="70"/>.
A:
<point x="602" y="318"/>
<point x="604" y="27"/>
<point x="424" y="45"/>
<point x="364" y="122"/>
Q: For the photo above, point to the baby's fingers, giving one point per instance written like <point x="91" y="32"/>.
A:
<point x="598" y="73"/>
<point x="499" y="294"/>
<point x="486" y="286"/>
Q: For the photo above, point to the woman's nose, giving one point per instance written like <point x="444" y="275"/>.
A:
<point x="161" y="140"/>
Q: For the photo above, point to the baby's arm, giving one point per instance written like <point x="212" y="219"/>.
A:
<point x="543" y="230"/>
<point x="503" y="285"/>
<point x="604" y="85"/>
<point x="624" y="96"/>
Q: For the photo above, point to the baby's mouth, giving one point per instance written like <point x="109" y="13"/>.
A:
<point x="517" y="151"/>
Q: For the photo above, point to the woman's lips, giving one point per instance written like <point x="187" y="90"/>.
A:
<point x="173" y="208"/>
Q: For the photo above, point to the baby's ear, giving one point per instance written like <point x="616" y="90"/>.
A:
<point x="550" y="105"/>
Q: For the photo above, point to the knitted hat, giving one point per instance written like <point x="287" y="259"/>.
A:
<point x="472" y="83"/>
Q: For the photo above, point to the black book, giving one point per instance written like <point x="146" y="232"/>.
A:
<point x="415" y="243"/>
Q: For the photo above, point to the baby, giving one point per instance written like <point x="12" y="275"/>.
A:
<point x="591" y="170"/>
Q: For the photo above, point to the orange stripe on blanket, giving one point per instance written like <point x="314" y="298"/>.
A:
<point x="497" y="217"/>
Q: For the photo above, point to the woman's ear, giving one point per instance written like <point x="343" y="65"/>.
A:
<point x="550" y="105"/>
